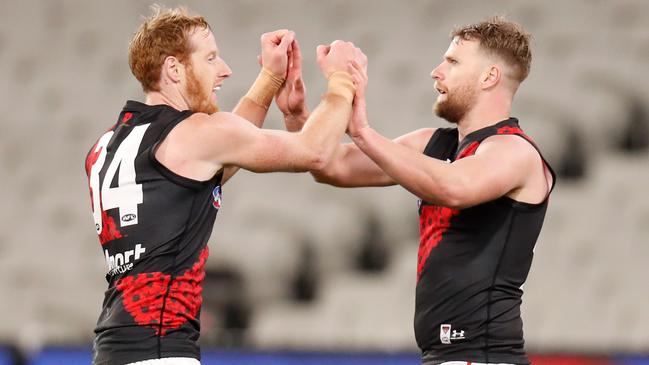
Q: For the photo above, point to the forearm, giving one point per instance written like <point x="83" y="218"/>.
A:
<point x="427" y="178"/>
<point x="325" y="127"/>
<point x="250" y="111"/>
<point x="254" y="105"/>
<point x="350" y="167"/>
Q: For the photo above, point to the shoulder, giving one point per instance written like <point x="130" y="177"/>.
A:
<point x="206" y="120"/>
<point x="201" y="125"/>
<point x="509" y="147"/>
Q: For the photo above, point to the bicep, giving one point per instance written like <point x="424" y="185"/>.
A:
<point x="498" y="167"/>
<point x="262" y="150"/>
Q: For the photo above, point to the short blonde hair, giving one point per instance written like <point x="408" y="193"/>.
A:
<point x="504" y="39"/>
<point x="165" y="33"/>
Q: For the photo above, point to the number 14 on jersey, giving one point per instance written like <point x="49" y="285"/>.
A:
<point x="127" y="195"/>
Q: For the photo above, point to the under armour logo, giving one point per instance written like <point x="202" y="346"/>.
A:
<point x="456" y="335"/>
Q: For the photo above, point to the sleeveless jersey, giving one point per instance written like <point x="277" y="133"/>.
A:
<point x="472" y="264"/>
<point x="153" y="227"/>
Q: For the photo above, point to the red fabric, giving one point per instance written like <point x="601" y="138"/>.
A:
<point x="90" y="160"/>
<point x="433" y="222"/>
<point x="514" y="130"/>
<point x="127" y="117"/>
<point x="469" y="151"/>
<point x="143" y="296"/>
<point x="109" y="230"/>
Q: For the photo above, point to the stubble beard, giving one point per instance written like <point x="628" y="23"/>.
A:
<point x="456" y="105"/>
<point x="199" y="100"/>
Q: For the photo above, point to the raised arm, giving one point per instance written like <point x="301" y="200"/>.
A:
<point x="501" y="165"/>
<point x="291" y="97"/>
<point x="274" y="59"/>
<point x="349" y="166"/>
<point x="222" y="140"/>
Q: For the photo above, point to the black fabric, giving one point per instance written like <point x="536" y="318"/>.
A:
<point x="155" y="253"/>
<point x="472" y="264"/>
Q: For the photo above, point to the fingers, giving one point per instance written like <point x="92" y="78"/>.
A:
<point x="286" y="41"/>
<point x="274" y="37"/>
<point x="358" y="74"/>
<point x="298" y="85"/>
<point x="322" y="51"/>
<point x="358" y="68"/>
<point x="297" y="55"/>
<point x="361" y="58"/>
<point x="277" y="51"/>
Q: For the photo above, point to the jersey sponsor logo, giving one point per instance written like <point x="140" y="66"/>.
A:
<point x="457" y="335"/>
<point x="128" y="217"/>
<point x="216" y="197"/>
<point x="448" y="335"/>
<point x="121" y="262"/>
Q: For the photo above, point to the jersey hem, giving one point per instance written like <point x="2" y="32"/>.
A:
<point x="124" y="360"/>
<point x="490" y="359"/>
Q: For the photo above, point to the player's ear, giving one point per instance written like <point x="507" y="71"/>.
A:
<point x="490" y="76"/>
<point x="171" y="70"/>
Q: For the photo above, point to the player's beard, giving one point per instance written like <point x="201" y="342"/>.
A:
<point x="456" y="105"/>
<point x="199" y="100"/>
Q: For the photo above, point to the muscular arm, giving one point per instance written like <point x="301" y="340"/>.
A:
<point x="274" y="46"/>
<point x="311" y="149"/>
<point x="242" y="144"/>
<point x="253" y="113"/>
<point x="350" y="167"/>
<point x="191" y="150"/>
<point x="500" y="166"/>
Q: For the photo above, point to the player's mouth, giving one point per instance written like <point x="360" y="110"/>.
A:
<point x="214" y="96"/>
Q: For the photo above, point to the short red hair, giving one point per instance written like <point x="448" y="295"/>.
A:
<point x="165" y="33"/>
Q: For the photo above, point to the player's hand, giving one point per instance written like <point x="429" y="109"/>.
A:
<point x="335" y="57"/>
<point x="274" y="51"/>
<point x="358" y="69"/>
<point x="291" y="97"/>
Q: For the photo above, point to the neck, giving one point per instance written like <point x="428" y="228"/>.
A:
<point x="484" y="113"/>
<point x="166" y="97"/>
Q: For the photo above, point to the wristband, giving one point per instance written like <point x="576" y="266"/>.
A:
<point x="264" y="88"/>
<point x="341" y="84"/>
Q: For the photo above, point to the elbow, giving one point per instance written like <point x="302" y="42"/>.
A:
<point x="311" y="160"/>
<point x="324" y="175"/>
<point x="325" y="171"/>
<point x="318" y="160"/>
<point x="318" y="157"/>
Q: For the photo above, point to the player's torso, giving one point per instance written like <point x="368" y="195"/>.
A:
<point x="153" y="227"/>
<point x="471" y="266"/>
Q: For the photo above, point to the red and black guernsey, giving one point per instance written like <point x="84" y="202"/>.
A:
<point x="153" y="227"/>
<point x="472" y="264"/>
